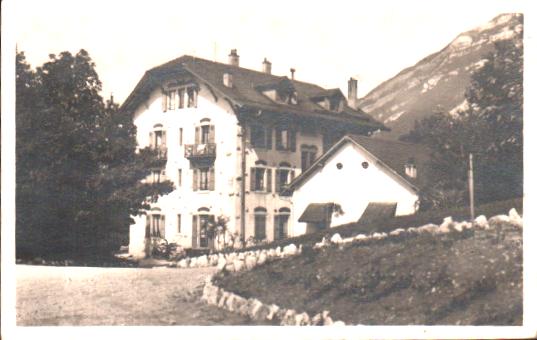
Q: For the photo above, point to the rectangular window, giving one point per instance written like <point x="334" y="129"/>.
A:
<point x="205" y="130"/>
<point x="261" y="179"/>
<point x="180" y="177"/>
<point x="181" y="98"/>
<point x="157" y="225"/>
<point x="261" y="136"/>
<point x="204" y="179"/>
<point x="192" y="97"/>
<point x="259" y="174"/>
<point x="171" y="99"/>
<point x="260" y="226"/>
<point x="178" y="223"/>
<point x="157" y="176"/>
<point x="285" y="139"/>
<point x="308" y="154"/>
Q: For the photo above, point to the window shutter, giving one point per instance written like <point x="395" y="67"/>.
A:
<point x="181" y="98"/>
<point x="211" y="179"/>
<point x="194" y="231"/>
<point x="195" y="180"/>
<point x="211" y="134"/>
<point x="172" y="100"/>
<point x="195" y="100"/>
<point x="147" y="226"/>
<point x="279" y="145"/>
<point x="291" y="176"/>
<point x="162" y="226"/>
<point x="163" y="138"/>
<point x="252" y="179"/>
<point x="292" y="140"/>
<point x="269" y="180"/>
<point x="268" y="133"/>
<point x="152" y="139"/>
<point x="180" y="136"/>
<point x="178" y="223"/>
<point x="277" y="180"/>
<point x="164" y="101"/>
<point x="197" y="135"/>
<point x="276" y="231"/>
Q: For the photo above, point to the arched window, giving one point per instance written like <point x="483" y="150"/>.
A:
<point x="281" y="223"/>
<point x="157" y="137"/>
<point x="155" y="224"/>
<point x="204" y="133"/>
<point x="260" y="223"/>
<point x="201" y="223"/>
<point x="284" y="175"/>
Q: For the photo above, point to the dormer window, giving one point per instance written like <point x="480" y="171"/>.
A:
<point x="281" y="92"/>
<point x="330" y="100"/>
<point x="411" y="169"/>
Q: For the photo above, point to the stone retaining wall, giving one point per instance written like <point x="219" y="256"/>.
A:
<point x="500" y="227"/>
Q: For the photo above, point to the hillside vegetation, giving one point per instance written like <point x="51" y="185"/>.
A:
<point x="472" y="277"/>
<point x="438" y="82"/>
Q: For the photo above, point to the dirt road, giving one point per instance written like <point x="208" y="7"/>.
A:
<point x="115" y="296"/>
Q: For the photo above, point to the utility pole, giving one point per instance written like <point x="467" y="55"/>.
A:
<point x="243" y="181"/>
<point x="471" y="184"/>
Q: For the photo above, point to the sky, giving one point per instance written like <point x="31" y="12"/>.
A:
<point x="325" y="41"/>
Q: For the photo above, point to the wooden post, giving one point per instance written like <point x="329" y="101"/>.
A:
<point x="471" y="185"/>
<point x="243" y="182"/>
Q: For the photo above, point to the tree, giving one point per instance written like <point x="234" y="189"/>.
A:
<point x="78" y="171"/>
<point x="490" y="129"/>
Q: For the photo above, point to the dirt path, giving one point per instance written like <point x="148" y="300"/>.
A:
<point x="115" y="296"/>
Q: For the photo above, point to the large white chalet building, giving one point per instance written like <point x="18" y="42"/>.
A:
<point x="230" y="139"/>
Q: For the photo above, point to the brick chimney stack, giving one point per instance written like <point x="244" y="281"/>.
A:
<point x="267" y="66"/>
<point x="233" y="58"/>
<point x="352" y="97"/>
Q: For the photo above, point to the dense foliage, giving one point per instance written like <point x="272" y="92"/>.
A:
<point x="490" y="128"/>
<point x="78" y="172"/>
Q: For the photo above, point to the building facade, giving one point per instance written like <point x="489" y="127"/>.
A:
<point x="358" y="173"/>
<point x="230" y="139"/>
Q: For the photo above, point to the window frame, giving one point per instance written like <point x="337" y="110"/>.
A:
<point x="285" y="139"/>
<point x="260" y="223"/>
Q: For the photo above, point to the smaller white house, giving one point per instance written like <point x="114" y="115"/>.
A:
<point x="355" y="173"/>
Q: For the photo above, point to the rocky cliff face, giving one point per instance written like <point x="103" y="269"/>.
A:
<point x="439" y="81"/>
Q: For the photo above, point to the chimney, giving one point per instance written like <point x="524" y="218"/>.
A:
<point x="352" y="97"/>
<point x="292" y="73"/>
<point x="267" y="66"/>
<point x="233" y="58"/>
<point x="228" y="80"/>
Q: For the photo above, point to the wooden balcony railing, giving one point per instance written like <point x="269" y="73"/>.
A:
<point x="199" y="151"/>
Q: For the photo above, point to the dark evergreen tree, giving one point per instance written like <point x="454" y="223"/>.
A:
<point x="78" y="172"/>
<point x="490" y="129"/>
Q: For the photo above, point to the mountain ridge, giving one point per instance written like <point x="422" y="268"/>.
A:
<point x="437" y="82"/>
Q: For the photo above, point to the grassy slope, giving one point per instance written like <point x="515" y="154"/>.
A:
<point x="420" y="279"/>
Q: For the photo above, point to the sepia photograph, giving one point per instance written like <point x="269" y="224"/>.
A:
<point x="267" y="163"/>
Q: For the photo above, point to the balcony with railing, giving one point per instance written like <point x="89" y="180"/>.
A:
<point x="200" y="151"/>
<point x="162" y="156"/>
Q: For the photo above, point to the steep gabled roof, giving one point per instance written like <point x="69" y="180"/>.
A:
<point x="245" y="92"/>
<point x="392" y="155"/>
